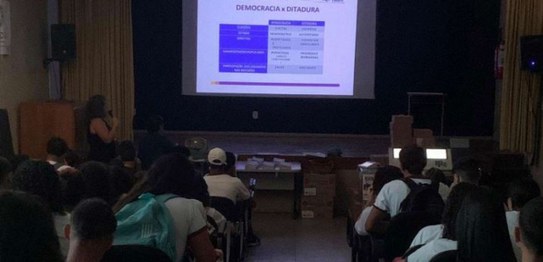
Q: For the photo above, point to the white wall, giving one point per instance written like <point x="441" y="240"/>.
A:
<point x="22" y="75"/>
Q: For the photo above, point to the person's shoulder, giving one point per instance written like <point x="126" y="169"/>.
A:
<point x="183" y="202"/>
<point x="398" y="183"/>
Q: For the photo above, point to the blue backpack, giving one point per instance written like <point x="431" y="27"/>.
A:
<point x="147" y="221"/>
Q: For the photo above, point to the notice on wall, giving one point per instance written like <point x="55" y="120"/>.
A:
<point x="5" y="28"/>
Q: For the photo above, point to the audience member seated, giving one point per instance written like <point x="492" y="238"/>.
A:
<point x="101" y="131"/>
<point x="519" y="192"/>
<point x="41" y="179"/>
<point x="438" y="178"/>
<point x="16" y="160"/>
<point x="382" y="176"/>
<point x="56" y="150"/>
<point x="529" y="233"/>
<point x="27" y="231"/>
<point x="121" y="181"/>
<point x="170" y="175"/>
<point x="481" y="229"/>
<point x="73" y="190"/>
<point x="219" y="182"/>
<point x="72" y="159"/>
<point x="440" y="238"/>
<point x="5" y="171"/>
<point x="154" y="144"/>
<point x="467" y="170"/>
<point x="126" y="158"/>
<point x="90" y="230"/>
<point x="388" y="201"/>
<point x="97" y="181"/>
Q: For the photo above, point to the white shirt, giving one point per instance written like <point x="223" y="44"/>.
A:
<point x="512" y="222"/>
<point x="188" y="217"/>
<point x="60" y="222"/>
<point x="393" y="193"/>
<point x="226" y="186"/>
<point x="427" y="234"/>
<point x="360" y="225"/>
<point x="444" y="191"/>
<point x="432" y="248"/>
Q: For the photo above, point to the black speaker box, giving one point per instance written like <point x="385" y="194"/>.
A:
<point x="6" y="144"/>
<point x="531" y="53"/>
<point x="63" y="41"/>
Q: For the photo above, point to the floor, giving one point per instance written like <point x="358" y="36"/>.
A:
<point x="288" y="240"/>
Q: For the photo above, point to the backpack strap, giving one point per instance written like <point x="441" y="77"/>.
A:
<point x="165" y="197"/>
<point x="410" y="183"/>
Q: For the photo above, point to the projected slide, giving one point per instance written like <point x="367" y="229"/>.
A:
<point x="276" y="47"/>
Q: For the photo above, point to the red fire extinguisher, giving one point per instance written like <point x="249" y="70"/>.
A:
<point x="499" y="57"/>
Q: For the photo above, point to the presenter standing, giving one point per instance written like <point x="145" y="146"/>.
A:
<point x="101" y="131"/>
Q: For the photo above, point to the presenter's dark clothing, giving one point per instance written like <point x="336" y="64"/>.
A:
<point x="99" y="150"/>
<point x="151" y="147"/>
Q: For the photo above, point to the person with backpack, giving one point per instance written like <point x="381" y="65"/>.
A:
<point x="157" y="213"/>
<point x="405" y="194"/>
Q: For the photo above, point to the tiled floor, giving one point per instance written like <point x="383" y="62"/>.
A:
<point x="287" y="240"/>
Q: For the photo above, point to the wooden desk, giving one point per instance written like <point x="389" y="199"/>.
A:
<point x="276" y="179"/>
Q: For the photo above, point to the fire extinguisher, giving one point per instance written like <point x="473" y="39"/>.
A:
<point x="499" y="57"/>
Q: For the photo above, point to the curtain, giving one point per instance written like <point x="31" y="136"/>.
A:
<point x="104" y="63"/>
<point x="520" y="121"/>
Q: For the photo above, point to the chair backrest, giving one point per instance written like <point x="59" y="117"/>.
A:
<point x="226" y="207"/>
<point x="134" y="253"/>
<point x="198" y="147"/>
<point x="401" y="231"/>
<point x="447" y="256"/>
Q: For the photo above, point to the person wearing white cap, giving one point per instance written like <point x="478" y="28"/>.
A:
<point x="219" y="182"/>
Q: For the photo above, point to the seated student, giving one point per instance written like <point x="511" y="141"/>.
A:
<point x="40" y="178"/>
<point x="90" y="230"/>
<point x="388" y="201"/>
<point x="219" y="182"/>
<point x="56" y="150"/>
<point x="438" y="178"/>
<point x="467" y="170"/>
<point x="519" y="193"/>
<point x="97" y="181"/>
<point x="440" y="238"/>
<point x="126" y="158"/>
<point x="529" y="233"/>
<point x="155" y="143"/>
<point x="27" y="229"/>
<point x="481" y="229"/>
<point x="173" y="174"/>
<point x="5" y="170"/>
<point x="382" y="176"/>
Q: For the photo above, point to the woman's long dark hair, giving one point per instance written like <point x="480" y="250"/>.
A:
<point x="452" y="206"/>
<point x="96" y="107"/>
<point x="481" y="229"/>
<point x="170" y="174"/>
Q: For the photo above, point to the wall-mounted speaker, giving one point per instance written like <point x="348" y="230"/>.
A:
<point x="531" y="53"/>
<point x="63" y="41"/>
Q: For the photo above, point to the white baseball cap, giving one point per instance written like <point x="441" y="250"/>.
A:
<point x="216" y="157"/>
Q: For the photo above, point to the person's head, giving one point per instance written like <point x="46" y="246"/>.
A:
<point x="155" y="123"/>
<point x="217" y="160"/>
<point x="96" y="107"/>
<point x="27" y="231"/>
<point x="72" y="158"/>
<point x="520" y="191"/>
<point x="126" y="150"/>
<point x="17" y="160"/>
<point x="529" y="234"/>
<point x="467" y="170"/>
<point x="452" y="205"/>
<point x="97" y="181"/>
<point x="437" y="176"/>
<point x="231" y="163"/>
<point x="481" y="229"/>
<point x="171" y="174"/>
<point x="413" y="159"/>
<point x="5" y="170"/>
<point x="91" y="227"/>
<point x="56" y="146"/>
<point x="122" y="181"/>
<point x="383" y="175"/>
<point x="41" y="179"/>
